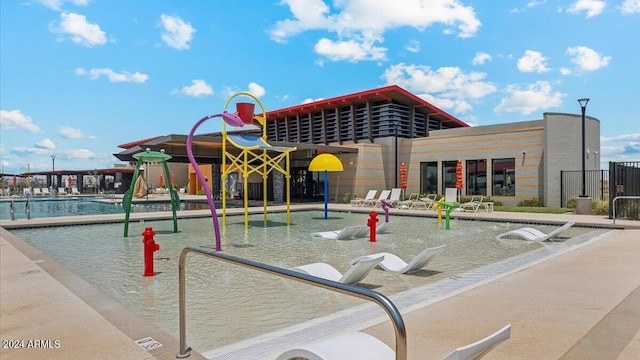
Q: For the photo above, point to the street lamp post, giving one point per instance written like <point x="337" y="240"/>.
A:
<point x="583" y="104"/>
<point x="53" y="174"/>
<point x="395" y="136"/>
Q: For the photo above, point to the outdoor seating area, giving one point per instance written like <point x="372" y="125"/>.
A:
<point x="415" y="201"/>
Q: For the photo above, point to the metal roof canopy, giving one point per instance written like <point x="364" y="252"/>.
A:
<point x="209" y="146"/>
<point x="387" y="94"/>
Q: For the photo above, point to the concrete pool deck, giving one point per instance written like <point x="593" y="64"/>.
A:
<point x="580" y="304"/>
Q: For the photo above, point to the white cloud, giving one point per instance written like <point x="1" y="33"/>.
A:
<point x="591" y="7"/>
<point x="15" y="119"/>
<point x="197" y="88"/>
<point x="45" y="144"/>
<point x="360" y="24"/>
<point x="124" y="76"/>
<point x="630" y="6"/>
<point x="587" y="59"/>
<point x="256" y="90"/>
<point x="350" y="50"/>
<point x="413" y="46"/>
<point x="535" y="97"/>
<point x="68" y="132"/>
<point x="624" y="137"/>
<point x="79" y="30"/>
<point x="446" y="87"/>
<point x="57" y="4"/>
<point x="565" y="71"/>
<point x="177" y="34"/>
<point x="481" y="58"/>
<point x="532" y="61"/>
<point x="310" y="100"/>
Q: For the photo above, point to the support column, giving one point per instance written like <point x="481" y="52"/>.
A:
<point x="278" y="187"/>
<point x="216" y="178"/>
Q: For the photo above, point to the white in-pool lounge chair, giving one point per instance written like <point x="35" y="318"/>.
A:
<point x="532" y="234"/>
<point x="62" y="191"/>
<point x="359" y="270"/>
<point x="395" y="264"/>
<point x="473" y="204"/>
<point x="74" y="191"/>
<point x="361" y="346"/>
<point x="46" y="192"/>
<point x="360" y="201"/>
<point x="37" y="192"/>
<point x="384" y="194"/>
<point x="348" y="233"/>
<point x="382" y="227"/>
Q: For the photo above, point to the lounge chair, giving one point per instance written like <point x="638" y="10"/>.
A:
<point x="46" y="192"/>
<point x="395" y="264"/>
<point x="348" y="233"/>
<point x="480" y="348"/>
<point x="74" y="191"/>
<point x="359" y="270"/>
<point x="37" y="192"/>
<point x="451" y="195"/>
<point x="532" y="234"/>
<point x="408" y="202"/>
<point x="361" y="346"/>
<point x="360" y="201"/>
<point x="473" y="204"/>
<point x="384" y="195"/>
<point x="382" y="227"/>
<point x="394" y="197"/>
<point x="62" y="191"/>
<point x="26" y="192"/>
<point x="424" y="202"/>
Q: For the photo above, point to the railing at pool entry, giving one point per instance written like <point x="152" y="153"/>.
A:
<point x="618" y="198"/>
<point x="365" y="294"/>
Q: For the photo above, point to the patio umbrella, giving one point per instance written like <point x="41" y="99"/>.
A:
<point x="173" y="180"/>
<point x="326" y="163"/>
<point x="161" y="181"/>
<point x="69" y="182"/>
<point x="403" y="178"/>
<point x="459" y="184"/>
<point x="14" y="182"/>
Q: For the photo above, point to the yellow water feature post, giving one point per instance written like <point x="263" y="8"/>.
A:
<point x="251" y="148"/>
<point x="326" y="163"/>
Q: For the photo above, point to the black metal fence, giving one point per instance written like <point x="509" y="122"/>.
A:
<point x="624" y="180"/>
<point x="596" y="185"/>
<point x="621" y="179"/>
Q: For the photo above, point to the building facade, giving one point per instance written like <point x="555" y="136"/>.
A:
<point x="373" y="132"/>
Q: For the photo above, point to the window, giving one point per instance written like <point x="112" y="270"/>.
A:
<point x="504" y="177"/>
<point x="476" y="177"/>
<point x="429" y="177"/>
<point x="448" y="175"/>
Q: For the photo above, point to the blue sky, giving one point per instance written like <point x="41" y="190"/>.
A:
<point x="80" y="77"/>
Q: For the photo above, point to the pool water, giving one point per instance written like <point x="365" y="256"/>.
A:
<point x="70" y="206"/>
<point x="227" y="303"/>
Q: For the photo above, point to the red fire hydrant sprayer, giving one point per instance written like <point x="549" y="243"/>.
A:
<point x="372" y="224"/>
<point x="150" y="247"/>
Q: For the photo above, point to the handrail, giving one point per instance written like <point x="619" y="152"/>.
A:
<point x="614" y="204"/>
<point x="366" y="294"/>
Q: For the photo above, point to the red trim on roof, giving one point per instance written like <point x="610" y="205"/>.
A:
<point x="137" y="142"/>
<point x="385" y="93"/>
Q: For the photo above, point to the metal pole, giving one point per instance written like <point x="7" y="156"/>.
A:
<point x="53" y="175"/>
<point x="583" y="104"/>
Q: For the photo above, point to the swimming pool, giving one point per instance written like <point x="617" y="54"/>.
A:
<point x="227" y="304"/>
<point x="70" y="206"/>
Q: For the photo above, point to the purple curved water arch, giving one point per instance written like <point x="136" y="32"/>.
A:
<point x="207" y="191"/>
